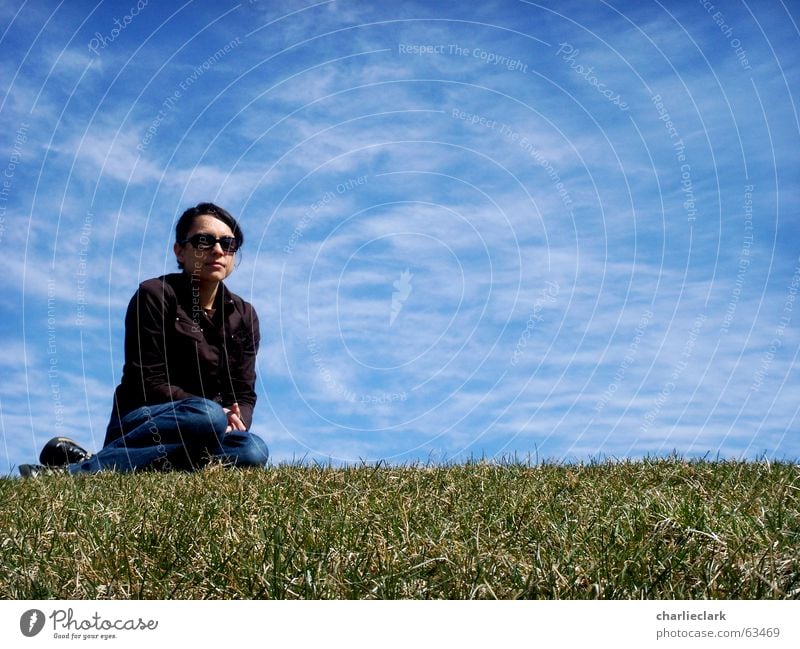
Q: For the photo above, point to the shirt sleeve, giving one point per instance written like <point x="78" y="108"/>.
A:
<point x="242" y="366"/>
<point x="145" y="346"/>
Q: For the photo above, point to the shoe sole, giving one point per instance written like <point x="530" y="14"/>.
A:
<point x="27" y="471"/>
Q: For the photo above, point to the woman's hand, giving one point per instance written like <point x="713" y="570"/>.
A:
<point x="234" y="418"/>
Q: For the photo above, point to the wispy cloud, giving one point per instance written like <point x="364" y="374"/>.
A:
<point x="458" y="241"/>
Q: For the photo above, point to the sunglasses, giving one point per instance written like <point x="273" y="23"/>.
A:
<point x="203" y="241"/>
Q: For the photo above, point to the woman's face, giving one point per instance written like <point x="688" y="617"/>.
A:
<point x="213" y="264"/>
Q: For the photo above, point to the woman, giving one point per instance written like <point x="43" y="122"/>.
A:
<point x="188" y="385"/>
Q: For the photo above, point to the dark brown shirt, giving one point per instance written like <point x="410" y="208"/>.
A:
<point x="174" y="350"/>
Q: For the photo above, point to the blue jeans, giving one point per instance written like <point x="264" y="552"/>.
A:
<point x="183" y="435"/>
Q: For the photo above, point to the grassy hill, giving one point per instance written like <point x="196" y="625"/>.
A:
<point x="652" y="529"/>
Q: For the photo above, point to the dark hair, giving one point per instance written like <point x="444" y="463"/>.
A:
<point x="202" y="209"/>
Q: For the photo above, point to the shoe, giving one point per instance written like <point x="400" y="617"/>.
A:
<point x="61" y="451"/>
<point x="35" y="470"/>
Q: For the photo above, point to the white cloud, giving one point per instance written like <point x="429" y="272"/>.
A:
<point x="592" y="205"/>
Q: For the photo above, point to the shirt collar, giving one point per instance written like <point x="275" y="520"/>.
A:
<point x="223" y="297"/>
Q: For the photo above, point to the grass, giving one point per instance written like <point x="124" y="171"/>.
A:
<point x="655" y="529"/>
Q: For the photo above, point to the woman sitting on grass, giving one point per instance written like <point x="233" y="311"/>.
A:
<point x="188" y="385"/>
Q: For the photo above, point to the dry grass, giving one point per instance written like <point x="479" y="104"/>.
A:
<point x="653" y="529"/>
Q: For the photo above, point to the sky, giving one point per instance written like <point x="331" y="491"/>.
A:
<point x="558" y="231"/>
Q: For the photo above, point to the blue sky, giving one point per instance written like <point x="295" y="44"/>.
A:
<point x="558" y="230"/>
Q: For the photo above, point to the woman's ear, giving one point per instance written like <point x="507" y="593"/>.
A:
<point x="179" y="253"/>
